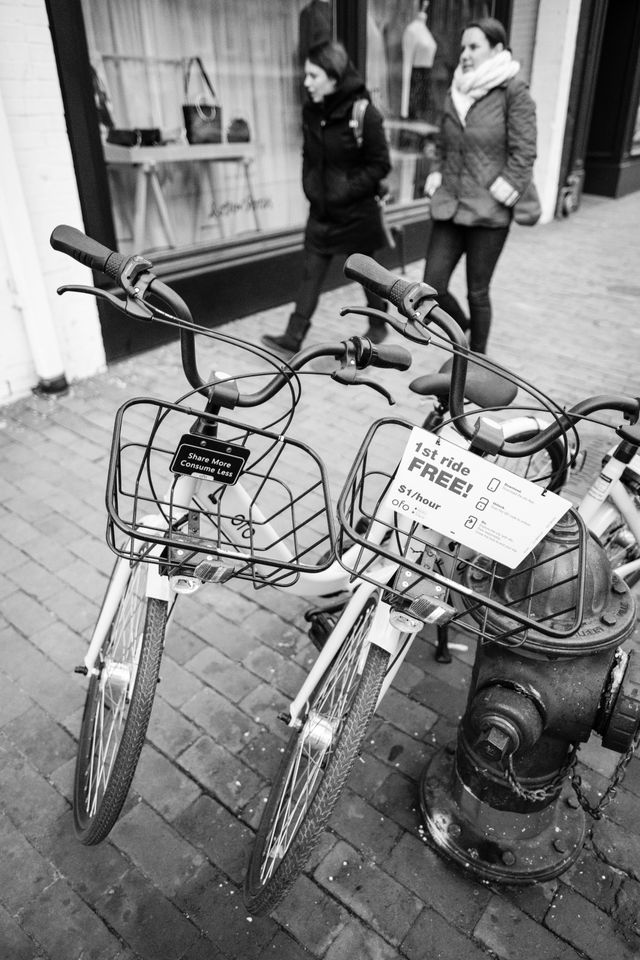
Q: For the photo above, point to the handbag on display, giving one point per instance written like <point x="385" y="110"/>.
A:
<point x="202" y="114"/>
<point x="135" y="136"/>
<point x="238" y="131"/>
<point x="527" y="210"/>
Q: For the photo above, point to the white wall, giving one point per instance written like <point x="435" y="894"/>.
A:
<point x="42" y="194"/>
<point x="551" y="73"/>
<point x="522" y="34"/>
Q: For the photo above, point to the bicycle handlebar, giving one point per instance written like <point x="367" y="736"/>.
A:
<point x="87" y="251"/>
<point x="416" y="301"/>
<point x="133" y="275"/>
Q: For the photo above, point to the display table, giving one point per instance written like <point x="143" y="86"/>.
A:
<point x="145" y="161"/>
<point x="410" y="160"/>
<point x="420" y="127"/>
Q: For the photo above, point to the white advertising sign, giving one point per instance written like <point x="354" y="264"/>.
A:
<point x="473" y="501"/>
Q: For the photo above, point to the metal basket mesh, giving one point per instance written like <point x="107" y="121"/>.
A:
<point x="281" y="526"/>
<point x="544" y="593"/>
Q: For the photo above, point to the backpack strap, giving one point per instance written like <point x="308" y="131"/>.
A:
<point x="357" y="119"/>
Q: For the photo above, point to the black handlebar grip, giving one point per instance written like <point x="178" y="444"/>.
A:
<point x="390" y="356"/>
<point x="87" y="251"/>
<point x="377" y="279"/>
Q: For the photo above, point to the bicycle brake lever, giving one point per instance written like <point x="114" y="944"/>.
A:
<point x="372" y="314"/>
<point x="131" y="307"/>
<point x="349" y="378"/>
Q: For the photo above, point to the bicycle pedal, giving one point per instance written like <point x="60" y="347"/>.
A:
<point x="321" y="627"/>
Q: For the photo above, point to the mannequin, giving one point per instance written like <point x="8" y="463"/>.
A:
<point x="418" y="53"/>
<point x="377" y="68"/>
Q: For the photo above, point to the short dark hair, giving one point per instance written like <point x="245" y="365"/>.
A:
<point x="492" y="29"/>
<point x="332" y="57"/>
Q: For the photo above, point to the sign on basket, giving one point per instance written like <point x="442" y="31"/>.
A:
<point x="475" y="502"/>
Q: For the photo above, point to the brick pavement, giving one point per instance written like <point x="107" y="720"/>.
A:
<point x="166" y="884"/>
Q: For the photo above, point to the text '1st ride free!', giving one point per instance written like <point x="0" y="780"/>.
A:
<point x="475" y="502"/>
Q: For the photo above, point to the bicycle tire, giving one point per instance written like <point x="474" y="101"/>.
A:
<point x="547" y="467"/>
<point x="115" y="722"/>
<point x="314" y="783"/>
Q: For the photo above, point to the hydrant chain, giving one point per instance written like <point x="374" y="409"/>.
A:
<point x="544" y="793"/>
<point x="616" y="779"/>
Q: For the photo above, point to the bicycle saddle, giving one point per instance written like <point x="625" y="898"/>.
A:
<point x="483" y="387"/>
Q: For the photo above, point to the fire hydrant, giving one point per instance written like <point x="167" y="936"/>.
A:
<point x="500" y="802"/>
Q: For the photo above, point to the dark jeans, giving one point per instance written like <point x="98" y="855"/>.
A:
<point x="482" y="246"/>
<point x="314" y="272"/>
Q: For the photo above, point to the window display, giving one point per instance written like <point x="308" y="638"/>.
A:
<point x="412" y="52"/>
<point x="199" y="107"/>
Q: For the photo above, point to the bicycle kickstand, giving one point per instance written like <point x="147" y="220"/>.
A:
<point x="443" y="654"/>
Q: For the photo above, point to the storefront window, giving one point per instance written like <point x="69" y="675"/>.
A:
<point x="244" y="179"/>
<point x="412" y="52"/>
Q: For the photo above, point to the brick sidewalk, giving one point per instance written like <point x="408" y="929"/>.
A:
<point x="166" y="884"/>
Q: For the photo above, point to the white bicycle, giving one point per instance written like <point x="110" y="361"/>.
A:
<point x="195" y="498"/>
<point x="611" y="505"/>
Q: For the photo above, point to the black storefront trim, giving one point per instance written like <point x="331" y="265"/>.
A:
<point x="219" y="283"/>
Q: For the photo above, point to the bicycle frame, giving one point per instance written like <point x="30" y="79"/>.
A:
<point x="607" y="498"/>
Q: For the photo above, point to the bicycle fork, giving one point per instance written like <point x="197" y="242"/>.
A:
<point x="156" y="586"/>
<point x="381" y="633"/>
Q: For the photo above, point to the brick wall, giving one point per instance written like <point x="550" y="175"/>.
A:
<point x="46" y="194"/>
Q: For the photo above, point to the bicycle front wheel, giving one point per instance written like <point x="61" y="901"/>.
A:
<point x="118" y="708"/>
<point x="315" y="766"/>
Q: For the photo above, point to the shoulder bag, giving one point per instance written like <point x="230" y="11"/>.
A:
<point x="357" y="125"/>
<point x="203" y="113"/>
<point x="527" y="210"/>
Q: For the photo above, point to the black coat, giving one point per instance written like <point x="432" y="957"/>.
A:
<point x="340" y="180"/>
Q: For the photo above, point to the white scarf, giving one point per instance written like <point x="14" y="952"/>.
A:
<point x="470" y="85"/>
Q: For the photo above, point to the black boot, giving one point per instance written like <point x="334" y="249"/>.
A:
<point x="291" y="340"/>
<point x="377" y="331"/>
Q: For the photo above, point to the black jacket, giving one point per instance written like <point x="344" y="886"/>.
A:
<point x="340" y="180"/>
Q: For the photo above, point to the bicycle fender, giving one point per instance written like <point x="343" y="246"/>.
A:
<point x="382" y="634"/>
<point x="157" y="587"/>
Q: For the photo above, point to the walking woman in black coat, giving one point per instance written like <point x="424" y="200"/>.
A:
<point x="340" y="179"/>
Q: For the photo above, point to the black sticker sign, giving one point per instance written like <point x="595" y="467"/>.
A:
<point x="209" y="458"/>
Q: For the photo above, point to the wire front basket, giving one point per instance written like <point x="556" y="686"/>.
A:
<point x="232" y="500"/>
<point x="437" y="580"/>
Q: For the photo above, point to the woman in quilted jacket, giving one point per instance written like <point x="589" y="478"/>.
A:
<point x="341" y="180"/>
<point x="486" y="150"/>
